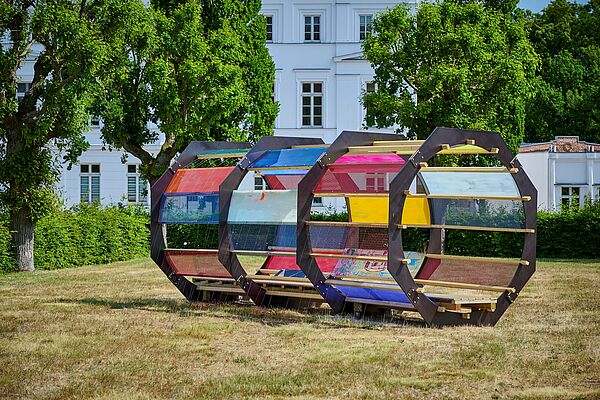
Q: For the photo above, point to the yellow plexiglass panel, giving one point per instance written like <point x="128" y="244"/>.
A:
<point x="375" y="210"/>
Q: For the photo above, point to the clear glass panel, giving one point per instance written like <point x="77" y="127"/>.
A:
<point x="190" y="209"/>
<point x="96" y="168"/>
<point x="131" y="188"/>
<point x="85" y="168"/>
<point x="318" y="121"/>
<point x="485" y="213"/>
<point x="306" y="87"/>
<point x="470" y="183"/>
<point x="265" y="207"/>
<point x="84" y="183"/>
<point x="318" y="87"/>
<point x="131" y="168"/>
<point x="95" y="188"/>
<point x="143" y="190"/>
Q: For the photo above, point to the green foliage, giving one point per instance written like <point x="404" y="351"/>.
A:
<point x="82" y="236"/>
<point x="197" y="69"/>
<point x="567" y="86"/>
<point x="461" y="64"/>
<point x="193" y="236"/>
<point x="69" y="42"/>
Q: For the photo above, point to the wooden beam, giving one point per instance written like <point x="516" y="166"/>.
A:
<point x="467" y="228"/>
<point x="297" y="295"/>
<point x="284" y="168"/>
<point x="470" y="169"/>
<point x="397" y="142"/>
<point x="465" y="196"/>
<point x="263" y="253"/>
<point x="461" y="285"/>
<point x="277" y="278"/>
<point x="506" y="261"/>
<point x="215" y="251"/>
<point x="355" y="257"/>
<point x="309" y="146"/>
<point x="376" y="194"/>
<point x="354" y="224"/>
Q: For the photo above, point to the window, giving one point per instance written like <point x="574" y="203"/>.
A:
<point x="137" y="188"/>
<point x="365" y="26"/>
<point x="94" y="121"/>
<point x="260" y="183"/>
<point x="597" y="194"/>
<point x="312" y="104"/>
<point x="269" y="19"/>
<point x="312" y="28"/>
<point x="22" y="88"/>
<point x="89" y="182"/>
<point x="375" y="182"/>
<point x="317" y="201"/>
<point x="570" y="197"/>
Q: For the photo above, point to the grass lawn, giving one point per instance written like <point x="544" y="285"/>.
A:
<point x="123" y="331"/>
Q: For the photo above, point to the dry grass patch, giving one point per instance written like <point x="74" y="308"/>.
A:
<point x="122" y="331"/>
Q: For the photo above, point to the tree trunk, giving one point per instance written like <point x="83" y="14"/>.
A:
<point x="23" y="235"/>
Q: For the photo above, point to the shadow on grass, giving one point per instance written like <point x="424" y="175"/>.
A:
<point x="273" y="316"/>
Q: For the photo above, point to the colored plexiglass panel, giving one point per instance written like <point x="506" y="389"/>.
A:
<point x="480" y="213"/>
<point x="289" y="157"/>
<point x="198" y="180"/>
<point x="469" y="183"/>
<point x="192" y="208"/>
<point x="263" y="207"/>
<point x="376" y="209"/>
<point x="196" y="263"/>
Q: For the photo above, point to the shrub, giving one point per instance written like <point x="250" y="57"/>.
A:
<point x="87" y="234"/>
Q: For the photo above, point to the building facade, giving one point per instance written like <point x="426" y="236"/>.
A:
<point x="320" y="77"/>
<point x="565" y="171"/>
<point x="321" y="73"/>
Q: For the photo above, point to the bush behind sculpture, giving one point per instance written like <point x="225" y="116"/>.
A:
<point x="87" y="234"/>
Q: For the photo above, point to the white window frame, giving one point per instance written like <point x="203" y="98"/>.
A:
<point x="260" y="183"/>
<point x="140" y="195"/>
<point x="368" y="26"/>
<point x="312" y="95"/>
<point x="312" y="33"/>
<point x="20" y="93"/>
<point x="570" y="196"/>
<point x="86" y="170"/>
<point x="267" y="16"/>
<point x="379" y="180"/>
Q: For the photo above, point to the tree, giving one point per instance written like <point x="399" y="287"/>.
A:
<point x="198" y="70"/>
<point x="64" y="38"/>
<point x="567" y="86"/>
<point x="453" y="63"/>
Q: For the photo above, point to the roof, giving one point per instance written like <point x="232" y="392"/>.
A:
<point x="561" y="144"/>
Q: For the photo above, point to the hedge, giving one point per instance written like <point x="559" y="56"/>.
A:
<point x="90" y="234"/>
<point x="87" y="234"/>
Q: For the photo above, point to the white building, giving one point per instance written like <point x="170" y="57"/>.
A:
<point x="565" y="171"/>
<point x="320" y="70"/>
<point x="319" y="79"/>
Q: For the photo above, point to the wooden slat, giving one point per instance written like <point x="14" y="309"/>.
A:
<point x="332" y="194"/>
<point x="289" y="167"/>
<point x="470" y="169"/>
<point x="209" y="279"/>
<point x="455" y="150"/>
<point x="217" y="156"/>
<point x="461" y="285"/>
<point x="370" y="285"/>
<point x="339" y="223"/>
<point x="280" y="278"/>
<point x="215" y="251"/>
<point x="263" y="253"/>
<point x="397" y="142"/>
<point x="507" y="261"/>
<point x="355" y="257"/>
<point x="277" y="282"/>
<point x="465" y="196"/>
<point x="221" y="288"/>
<point x="388" y="304"/>
<point x="297" y="295"/>
<point x="466" y="227"/>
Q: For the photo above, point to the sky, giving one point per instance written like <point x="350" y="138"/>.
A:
<point x="538" y="5"/>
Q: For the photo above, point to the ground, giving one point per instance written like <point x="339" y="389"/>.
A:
<point x="122" y="331"/>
